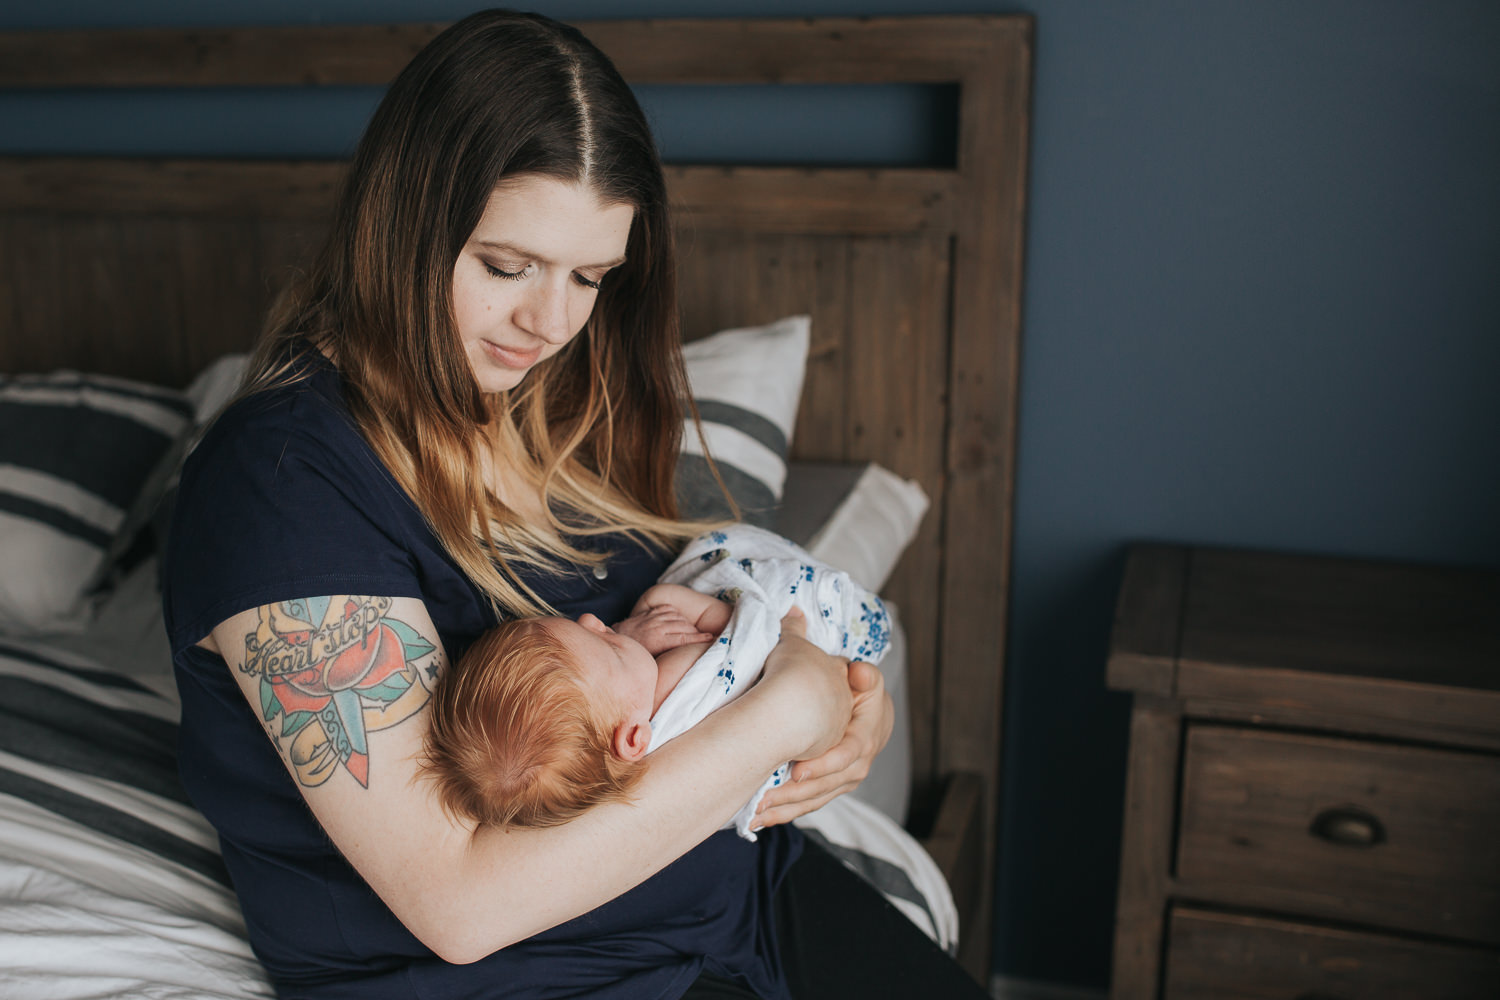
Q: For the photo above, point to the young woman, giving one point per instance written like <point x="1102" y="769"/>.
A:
<point x="468" y="410"/>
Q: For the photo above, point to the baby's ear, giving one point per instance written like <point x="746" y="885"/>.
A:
<point x="632" y="739"/>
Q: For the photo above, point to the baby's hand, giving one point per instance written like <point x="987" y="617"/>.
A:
<point x="661" y="628"/>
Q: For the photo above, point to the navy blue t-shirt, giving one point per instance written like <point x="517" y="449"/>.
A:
<point x="282" y="500"/>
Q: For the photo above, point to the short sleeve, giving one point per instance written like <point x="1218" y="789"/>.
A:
<point x="282" y="499"/>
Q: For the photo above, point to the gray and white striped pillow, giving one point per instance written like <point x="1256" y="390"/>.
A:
<point x="75" y="450"/>
<point x="88" y="757"/>
<point x="747" y="384"/>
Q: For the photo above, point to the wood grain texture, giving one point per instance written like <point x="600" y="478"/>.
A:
<point x="836" y="201"/>
<point x="1221" y="956"/>
<point x="194" y="188"/>
<point x="322" y="55"/>
<point x="1147" y="626"/>
<point x="1251" y="802"/>
<point x="1372" y="706"/>
<point x="954" y="841"/>
<point x="806" y="50"/>
<point x="1361" y="618"/>
<point x="983" y="379"/>
<point x="1399" y="650"/>
<point x="1146" y="846"/>
<point x="153" y="298"/>
<point x="896" y="373"/>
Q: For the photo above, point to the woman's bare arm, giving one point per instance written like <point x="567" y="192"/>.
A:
<point x="466" y="892"/>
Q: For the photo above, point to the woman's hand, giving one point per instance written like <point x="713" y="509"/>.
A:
<point x="823" y="777"/>
<point x="815" y="700"/>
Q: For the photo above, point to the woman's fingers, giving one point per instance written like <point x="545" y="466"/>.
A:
<point x="777" y="814"/>
<point x="819" y="779"/>
<point x="864" y="677"/>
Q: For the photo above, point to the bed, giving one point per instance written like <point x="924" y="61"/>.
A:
<point x="872" y="314"/>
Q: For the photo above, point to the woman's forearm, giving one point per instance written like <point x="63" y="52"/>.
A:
<point x="483" y="891"/>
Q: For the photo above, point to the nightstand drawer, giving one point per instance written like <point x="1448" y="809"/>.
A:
<point x="1397" y="836"/>
<point x="1223" y="956"/>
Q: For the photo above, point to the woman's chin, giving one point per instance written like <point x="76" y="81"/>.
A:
<point x="494" y="378"/>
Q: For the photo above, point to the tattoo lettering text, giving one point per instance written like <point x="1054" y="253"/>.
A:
<point x="334" y="669"/>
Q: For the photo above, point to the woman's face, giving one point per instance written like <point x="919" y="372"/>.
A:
<point x="527" y="279"/>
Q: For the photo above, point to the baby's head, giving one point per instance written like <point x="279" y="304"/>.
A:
<point x="541" y="719"/>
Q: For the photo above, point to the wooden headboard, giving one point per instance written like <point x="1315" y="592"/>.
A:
<point x="150" y="268"/>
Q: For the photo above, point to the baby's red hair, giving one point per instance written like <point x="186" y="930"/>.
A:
<point x="514" y="739"/>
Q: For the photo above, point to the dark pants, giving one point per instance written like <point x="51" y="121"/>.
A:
<point x="839" y="937"/>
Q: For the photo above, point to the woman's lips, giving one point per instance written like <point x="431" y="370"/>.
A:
<point x="511" y="357"/>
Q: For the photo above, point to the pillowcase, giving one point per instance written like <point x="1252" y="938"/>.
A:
<point x="747" y="383"/>
<point x="209" y="392"/>
<point x="126" y="629"/>
<point x="859" y="518"/>
<point x="75" y="451"/>
<point x="143" y="530"/>
<point x="212" y="388"/>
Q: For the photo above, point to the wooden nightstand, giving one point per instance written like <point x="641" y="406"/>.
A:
<point x="1313" y="796"/>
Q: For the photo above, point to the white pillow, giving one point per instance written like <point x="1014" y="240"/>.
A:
<point x="213" y="387"/>
<point x="859" y="518"/>
<point x="873" y="525"/>
<point x="747" y="383"/>
<point x="75" y="452"/>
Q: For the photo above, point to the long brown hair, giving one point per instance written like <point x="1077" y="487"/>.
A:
<point x="598" y="425"/>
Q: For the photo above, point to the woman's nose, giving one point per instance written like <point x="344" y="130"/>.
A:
<point x="545" y="313"/>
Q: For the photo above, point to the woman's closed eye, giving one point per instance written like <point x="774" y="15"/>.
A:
<point x="526" y="271"/>
<point x="500" y="272"/>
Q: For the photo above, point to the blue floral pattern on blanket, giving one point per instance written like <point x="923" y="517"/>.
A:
<point x="763" y="575"/>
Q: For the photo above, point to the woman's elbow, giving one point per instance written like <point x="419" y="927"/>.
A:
<point x="460" y="942"/>
<point x="457" y="926"/>
<point x="460" y="952"/>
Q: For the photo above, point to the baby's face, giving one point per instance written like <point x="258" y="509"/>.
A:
<point x="614" y="664"/>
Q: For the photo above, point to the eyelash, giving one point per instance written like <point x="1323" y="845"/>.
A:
<point x="518" y="275"/>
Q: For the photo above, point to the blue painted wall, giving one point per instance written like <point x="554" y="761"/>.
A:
<point x="1262" y="308"/>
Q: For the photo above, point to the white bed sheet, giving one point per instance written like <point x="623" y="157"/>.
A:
<point x="86" y="917"/>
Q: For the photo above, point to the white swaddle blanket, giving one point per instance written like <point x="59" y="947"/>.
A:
<point x="762" y="575"/>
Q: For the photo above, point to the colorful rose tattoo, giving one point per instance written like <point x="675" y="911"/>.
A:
<point x="335" y="669"/>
